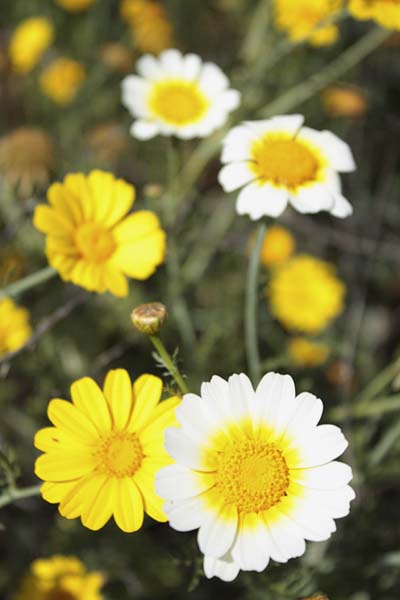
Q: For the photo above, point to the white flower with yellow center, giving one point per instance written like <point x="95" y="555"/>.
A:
<point x="177" y="95"/>
<point x="254" y="472"/>
<point x="277" y="161"/>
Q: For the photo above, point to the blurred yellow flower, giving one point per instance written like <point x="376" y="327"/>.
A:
<point x="14" y="326"/>
<point x="75" y="5"/>
<point x="344" y="101"/>
<point x="62" y="79"/>
<point x="12" y="265"/>
<point x="26" y="158"/>
<point x="90" y="239"/>
<point x="101" y="457"/>
<point x="60" y="578"/>
<point x="307" y="353"/>
<point x="28" y="42"/>
<point x="116" y="57"/>
<point x="384" y="12"/>
<point x="305" y="294"/>
<point x="277" y="247"/>
<point x="298" y="19"/>
<point x="149" y="23"/>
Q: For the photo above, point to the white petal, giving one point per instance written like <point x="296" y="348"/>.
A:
<point x="225" y="569"/>
<point x="149" y="67"/>
<point x="134" y="95"/>
<point x="185" y="515"/>
<point x="341" y="208"/>
<point x="319" y="446"/>
<point x="230" y="99"/>
<point x="314" y="524"/>
<point x="332" y="476"/>
<point x="287" y="123"/>
<point x="250" y="550"/>
<point x="237" y="144"/>
<point x="285" y="539"/>
<point x="176" y="482"/>
<point x="312" y="198"/>
<point x="258" y="200"/>
<point x="183" y="449"/>
<point x="215" y="394"/>
<point x="191" y="66"/>
<point x="218" y="530"/>
<point x="241" y="395"/>
<point x="306" y="414"/>
<point x="338" y="152"/>
<point x="212" y="80"/>
<point x="234" y="175"/>
<point x="336" y="503"/>
<point x="172" y="62"/>
<point x="196" y="419"/>
<point x="144" y="130"/>
<point x="274" y="400"/>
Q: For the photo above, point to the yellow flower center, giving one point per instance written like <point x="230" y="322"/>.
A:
<point x="284" y="161"/>
<point x="178" y="102"/>
<point x="120" y="454"/>
<point x="94" y="242"/>
<point x="252" y="475"/>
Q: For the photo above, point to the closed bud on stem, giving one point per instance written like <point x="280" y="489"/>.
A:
<point x="149" y="318"/>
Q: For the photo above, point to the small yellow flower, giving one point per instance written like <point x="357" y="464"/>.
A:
<point x="149" y="23"/>
<point x="29" y="41"/>
<point x="61" y="80"/>
<point x="104" y="450"/>
<point x="75" y="6"/>
<point x="26" y="158"/>
<point x="298" y="19"/>
<point x="305" y="294"/>
<point x="60" y="578"/>
<point x="384" y="12"/>
<point x="306" y="353"/>
<point x="14" y="326"/>
<point x="90" y="239"/>
<point x="344" y="101"/>
<point x="277" y="247"/>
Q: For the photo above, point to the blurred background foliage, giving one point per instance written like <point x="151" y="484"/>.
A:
<point x="202" y="284"/>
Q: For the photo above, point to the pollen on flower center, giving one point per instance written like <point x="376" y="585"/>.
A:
<point x="94" y="242"/>
<point x="252" y="475"/>
<point x="284" y="161"/>
<point x="178" y="102"/>
<point x="120" y="454"/>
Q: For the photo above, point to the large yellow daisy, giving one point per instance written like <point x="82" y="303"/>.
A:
<point x="104" y="449"/>
<point x="91" y="241"/>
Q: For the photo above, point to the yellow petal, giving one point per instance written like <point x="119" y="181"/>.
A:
<point x="89" y="400"/>
<point x="81" y="495"/>
<point x="152" y="435"/>
<point x="51" y="438"/>
<point x="118" y="392"/>
<point x="65" y="203"/>
<point x="97" y="512"/>
<point x="78" y="194"/>
<point x="128" y="505"/>
<point x="112" y="198"/>
<point x="62" y="465"/>
<point x="48" y="220"/>
<point x="146" y="395"/>
<point x="115" y="282"/>
<point x="55" y="492"/>
<point x="144" y="478"/>
<point x="67" y="417"/>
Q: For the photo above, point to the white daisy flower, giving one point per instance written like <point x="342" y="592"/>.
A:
<point x="177" y="95"/>
<point x="277" y="161"/>
<point x="254" y="473"/>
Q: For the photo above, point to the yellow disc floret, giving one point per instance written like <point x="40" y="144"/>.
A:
<point x="178" y="102"/>
<point x="120" y="455"/>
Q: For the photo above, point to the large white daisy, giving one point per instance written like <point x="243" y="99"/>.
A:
<point x="277" y="161"/>
<point x="253" y="473"/>
<point x="177" y="95"/>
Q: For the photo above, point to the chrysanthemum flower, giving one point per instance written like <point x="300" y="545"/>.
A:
<point x="14" y="326"/>
<point x="29" y="41"/>
<point x="177" y="95"/>
<point x="299" y="19"/>
<point x="307" y="353"/>
<point x="344" y="101"/>
<point x="278" y="246"/>
<point x="149" y="23"/>
<point x="60" y="578"/>
<point x="26" y="158"/>
<point x="102" y="454"/>
<point x="254" y="473"/>
<point x="305" y="294"/>
<point x="280" y="161"/>
<point x="61" y="80"/>
<point x="384" y="12"/>
<point x="75" y="6"/>
<point x="91" y="241"/>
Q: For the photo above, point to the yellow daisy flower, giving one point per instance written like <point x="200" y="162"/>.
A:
<point x="384" y="12"/>
<point x="61" y="80"/>
<point x="306" y="353"/>
<point x="305" y="294"/>
<point x="60" y="577"/>
<point x="278" y="246"/>
<point x="91" y="241"/>
<point x="29" y="41"/>
<point x="14" y="326"/>
<point x="75" y="6"/>
<point x="299" y="18"/>
<point x="344" y="101"/>
<point x="101" y="456"/>
<point x="148" y="20"/>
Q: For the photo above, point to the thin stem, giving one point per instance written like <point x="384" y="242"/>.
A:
<point x="169" y="363"/>
<point x="251" y="308"/>
<point x="11" y="494"/>
<point x="380" y="381"/>
<point x="336" y="69"/>
<point x="14" y="289"/>
<point x="364" y="410"/>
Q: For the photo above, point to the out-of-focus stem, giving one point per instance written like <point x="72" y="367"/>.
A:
<point x="169" y="363"/>
<point x="251" y="308"/>
<point x="11" y="494"/>
<point x="16" y="288"/>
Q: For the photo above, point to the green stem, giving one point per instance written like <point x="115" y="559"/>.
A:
<point x="251" y="308"/>
<point x="11" y="494"/>
<point x="380" y="382"/>
<point x="14" y="289"/>
<point x="361" y="410"/>
<point x="169" y="363"/>
<point x="336" y="69"/>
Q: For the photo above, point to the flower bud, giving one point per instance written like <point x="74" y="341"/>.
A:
<point x="149" y="318"/>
